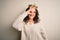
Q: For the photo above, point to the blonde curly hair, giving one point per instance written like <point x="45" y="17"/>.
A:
<point x="33" y="5"/>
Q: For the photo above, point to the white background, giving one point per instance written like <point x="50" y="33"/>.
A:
<point x="49" y="12"/>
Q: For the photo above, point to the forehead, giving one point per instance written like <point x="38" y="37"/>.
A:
<point x="32" y="8"/>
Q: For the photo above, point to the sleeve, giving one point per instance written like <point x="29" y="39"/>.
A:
<point x="18" y="23"/>
<point x="43" y="33"/>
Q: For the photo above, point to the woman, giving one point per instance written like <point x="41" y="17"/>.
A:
<point x="29" y="24"/>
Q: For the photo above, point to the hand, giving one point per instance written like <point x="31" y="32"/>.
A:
<point x="29" y="11"/>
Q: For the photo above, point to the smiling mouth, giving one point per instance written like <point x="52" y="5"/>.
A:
<point x="30" y="14"/>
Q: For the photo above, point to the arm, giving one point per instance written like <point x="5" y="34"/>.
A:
<point x="18" y="23"/>
<point x="43" y="33"/>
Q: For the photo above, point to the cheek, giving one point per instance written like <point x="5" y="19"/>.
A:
<point x="33" y="15"/>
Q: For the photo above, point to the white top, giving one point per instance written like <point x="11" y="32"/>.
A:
<point x="29" y="31"/>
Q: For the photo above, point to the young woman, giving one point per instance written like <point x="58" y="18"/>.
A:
<point x="29" y="24"/>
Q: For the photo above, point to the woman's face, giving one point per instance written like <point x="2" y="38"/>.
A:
<point x="32" y="12"/>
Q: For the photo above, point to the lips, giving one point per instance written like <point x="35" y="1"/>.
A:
<point x="30" y="14"/>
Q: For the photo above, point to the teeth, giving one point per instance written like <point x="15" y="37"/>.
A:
<point x="30" y="15"/>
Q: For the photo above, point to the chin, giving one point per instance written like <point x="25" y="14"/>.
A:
<point x="31" y="17"/>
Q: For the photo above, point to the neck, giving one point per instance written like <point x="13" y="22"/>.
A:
<point x="31" y="20"/>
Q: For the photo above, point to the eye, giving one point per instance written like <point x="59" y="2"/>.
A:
<point x="30" y="11"/>
<point x="34" y="12"/>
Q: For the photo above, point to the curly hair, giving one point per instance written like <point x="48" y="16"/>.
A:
<point x="35" y="19"/>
